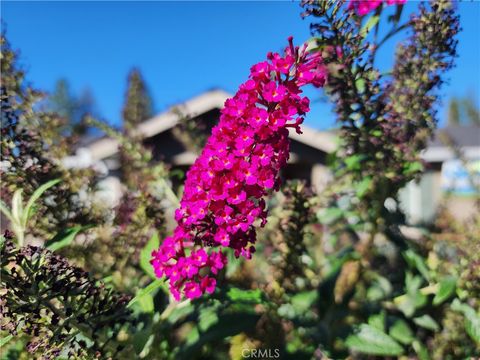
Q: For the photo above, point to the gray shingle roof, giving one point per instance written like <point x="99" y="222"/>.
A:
<point x="461" y="135"/>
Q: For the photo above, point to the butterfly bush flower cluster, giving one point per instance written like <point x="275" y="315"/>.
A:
<point x="224" y="188"/>
<point x="363" y="7"/>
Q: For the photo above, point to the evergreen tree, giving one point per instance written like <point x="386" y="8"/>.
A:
<point x="453" y="112"/>
<point x="463" y="111"/>
<point x="138" y="102"/>
<point x="72" y="108"/>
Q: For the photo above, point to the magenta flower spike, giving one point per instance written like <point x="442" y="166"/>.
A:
<point x="224" y="189"/>
<point x="363" y="7"/>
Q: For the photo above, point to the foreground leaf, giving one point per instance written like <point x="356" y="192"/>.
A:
<point x="472" y="319"/>
<point x="446" y="289"/>
<point x="5" y="340"/>
<point x="145" y="292"/>
<point x="146" y="255"/>
<point x="400" y="331"/>
<point x="65" y="237"/>
<point x="251" y="296"/>
<point x="28" y="211"/>
<point x="427" y="322"/>
<point x="370" y="340"/>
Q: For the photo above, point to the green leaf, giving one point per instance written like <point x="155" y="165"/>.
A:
<point x="411" y="303"/>
<point x="146" y="303"/>
<point x="363" y="186"/>
<point x="370" y="340"/>
<point x="472" y="325"/>
<point x="401" y="332"/>
<point x="65" y="237"/>
<point x="353" y="162"/>
<point x="329" y="215"/>
<point x="240" y="295"/>
<point x="416" y="261"/>
<point x="427" y="322"/>
<point x="380" y="289"/>
<point x="360" y="85"/>
<point x="372" y="21"/>
<point x="412" y="167"/>
<point x="208" y="317"/>
<point x="17" y="207"/>
<point x="28" y="211"/>
<point x="446" y="289"/>
<point x="5" y="340"/>
<point x="303" y="301"/>
<point x="413" y="299"/>
<point x="146" y="291"/>
<point x="377" y="321"/>
<point x="180" y="312"/>
<point x="146" y="255"/>
<point x="472" y="319"/>
<point x="421" y="350"/>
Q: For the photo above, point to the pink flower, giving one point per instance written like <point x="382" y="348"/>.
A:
<point x="222" y="237"/>
<point x="363" y="7"/>
<point x="273" y="93"/>
<point x="208" y="284"/>
<point x="240" y="164"/>
<point x="192" y="290"/>
<point x="189" y="270"/>
<point x="199" y="257"/>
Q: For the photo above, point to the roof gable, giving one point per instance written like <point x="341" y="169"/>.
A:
<point x="106" y="147"/>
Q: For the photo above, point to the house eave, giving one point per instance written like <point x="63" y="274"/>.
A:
<point x="215" y="99"/>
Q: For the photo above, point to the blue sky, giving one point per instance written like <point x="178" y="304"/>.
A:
<point x="182" y="48"/>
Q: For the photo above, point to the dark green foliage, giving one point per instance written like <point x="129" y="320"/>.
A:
<point x="73" y="109"/>
<point x="31" y="148"/>
<point x="58" y="307"/>
<point x="138" y="103"/>
<point x="463" y="111"/>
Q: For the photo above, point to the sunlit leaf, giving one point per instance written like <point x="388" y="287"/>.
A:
<point x="370" y="340"/>
<point x="416" y="261"/>
<point x="251" y="296"/>
<point x="472" y="319"/>
<point x="446" y="289"/>
<point x="5" y="340"/>
<point x="377" y="321"/>
<point x="146" y="291"/>
<point x="401" y="332"/>
<point x="427" y="322"/>
<point x="28" y="211"/>
<point x="146" y="255"/>
<point x="372" y="21"/>
<point x="65" y="237"/>
<point x="17" y="207"/>
<point x="421" y="350"/>
<point x="362" y="187"/>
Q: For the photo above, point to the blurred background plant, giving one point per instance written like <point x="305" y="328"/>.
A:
<point x="337" y="274"/>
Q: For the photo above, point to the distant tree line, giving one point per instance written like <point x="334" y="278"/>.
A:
<point x="463" y="111"/>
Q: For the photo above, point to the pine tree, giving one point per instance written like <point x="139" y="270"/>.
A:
<point x="138" y="102"/>
<point x="454" y="112"/>
<point x="463" y="111"/>
<point x="71" y="107"/>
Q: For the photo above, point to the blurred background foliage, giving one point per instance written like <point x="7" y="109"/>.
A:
<point x="337" y="274"/>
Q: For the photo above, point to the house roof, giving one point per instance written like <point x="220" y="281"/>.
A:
<point x="462" y="136"/>
<point x="210" y="100"/>
<point x="465" y="137"/>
